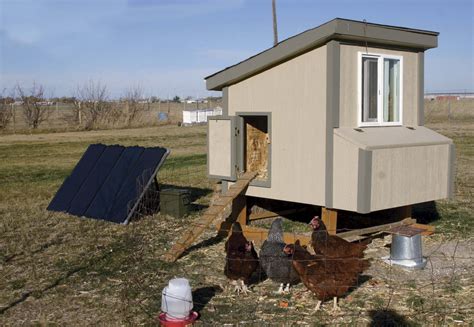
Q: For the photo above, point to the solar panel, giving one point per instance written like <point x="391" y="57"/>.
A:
<point x="72" y="184"/>
<point x="139" y="177"/>
<point x="104" y="199"/>
<point x="109" y="182"/>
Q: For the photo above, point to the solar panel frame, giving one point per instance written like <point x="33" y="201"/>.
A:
<point x="128" y="190"/>
<point x="151" y="180"/>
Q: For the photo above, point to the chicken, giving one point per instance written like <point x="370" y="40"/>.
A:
<point x="325" y="277"/>
<point x="241" y="259"/>
<point x="331" y="245"/>
<point x="276" y="264"/>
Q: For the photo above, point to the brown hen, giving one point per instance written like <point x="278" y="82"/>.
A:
<point x="241" y="259"/>
<point x="325" y="277"/>
<point x="333" y="246"/>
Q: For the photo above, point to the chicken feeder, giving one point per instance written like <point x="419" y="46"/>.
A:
<point x="406" y="250"/>
<point x="176" y="304"/>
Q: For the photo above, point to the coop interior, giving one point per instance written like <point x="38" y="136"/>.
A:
<point x="257" y="143"/>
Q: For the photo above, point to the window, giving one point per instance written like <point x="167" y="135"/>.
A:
<point x="380" y="90"/>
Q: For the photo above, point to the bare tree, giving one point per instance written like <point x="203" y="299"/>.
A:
<point x="135" y="106"/>
<point x="6" y="112"/>
<point x="34" y="110"/>
<point x="92" y="104"/>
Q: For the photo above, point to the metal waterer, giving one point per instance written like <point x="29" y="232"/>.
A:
<point x="406" y="249"/>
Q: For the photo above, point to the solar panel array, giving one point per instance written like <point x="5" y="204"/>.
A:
<point x="108" y="182"/>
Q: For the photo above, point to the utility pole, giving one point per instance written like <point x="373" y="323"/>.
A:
<point x="275" y="28"/>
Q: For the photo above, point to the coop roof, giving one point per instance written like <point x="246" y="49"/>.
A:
<point x="336" y="29"/>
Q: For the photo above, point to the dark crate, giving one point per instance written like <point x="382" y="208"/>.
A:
<point x="174" y="202"/>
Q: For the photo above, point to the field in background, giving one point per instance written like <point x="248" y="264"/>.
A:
<point x="62" y="117"/>
<point x="59" y="269"/>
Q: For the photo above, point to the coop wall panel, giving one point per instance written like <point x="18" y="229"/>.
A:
<point x="349" y="84"/>
<point x="73" y="183"/>
<point x="294" y="92"/>
<point x="409" y="175"/>
<point x="345" y="174"/>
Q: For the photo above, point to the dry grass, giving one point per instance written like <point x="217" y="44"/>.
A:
<point x="70" y="271"/>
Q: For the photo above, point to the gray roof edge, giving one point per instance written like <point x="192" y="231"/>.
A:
<point x="338" y="28"/>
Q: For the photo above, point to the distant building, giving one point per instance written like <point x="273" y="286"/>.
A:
<point x="191" y="117"/>
<point x="448" y="96"/>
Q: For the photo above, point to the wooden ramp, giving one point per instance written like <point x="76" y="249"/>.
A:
<point x="215" y="214"/>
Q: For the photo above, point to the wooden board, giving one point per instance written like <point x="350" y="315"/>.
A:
<point x="375" y="229"/>
<point x="329" y="218"/>
<point x="270" y="214"/>
<point x="427" y="229"/>
<point x="215" y="214"/>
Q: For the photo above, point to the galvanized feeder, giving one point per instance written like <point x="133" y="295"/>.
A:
<point x="406" y="250"/>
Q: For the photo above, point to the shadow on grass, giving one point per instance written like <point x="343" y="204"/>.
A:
<point x="203" y="295"/>
<point x="195" y="193"/>
<point x="385" y="317"/>
<point x="205" y="243"/>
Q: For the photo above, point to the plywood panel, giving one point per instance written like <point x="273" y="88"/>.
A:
<point x="345" y="178"/>
<point x="219" y="155"/>
<point x="295" y="93"/>
<point x="403" y="176"/>
<point x="349" y="81"/>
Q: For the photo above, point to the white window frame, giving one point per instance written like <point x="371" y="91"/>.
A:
<point x="380" y="89"/>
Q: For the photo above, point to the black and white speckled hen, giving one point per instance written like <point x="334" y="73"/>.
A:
<point x="241" y="259"/>
<point x="276" y="264"/>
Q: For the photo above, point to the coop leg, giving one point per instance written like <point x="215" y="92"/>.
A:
<point x="329" y="218"/>
<point x="240" y="210"/>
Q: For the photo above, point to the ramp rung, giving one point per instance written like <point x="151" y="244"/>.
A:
<point x="220" y="210"/>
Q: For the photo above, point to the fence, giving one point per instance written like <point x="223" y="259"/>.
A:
<point x="64" y="117"/>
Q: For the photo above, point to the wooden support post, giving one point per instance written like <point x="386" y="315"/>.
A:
<point x="239" y="208"/>
<point x="405" y="212"/>
<point x="239" y="214"/>
<point x="329" y="218"/>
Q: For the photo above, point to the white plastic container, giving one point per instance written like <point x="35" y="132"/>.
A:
<point x="177" y="299"/>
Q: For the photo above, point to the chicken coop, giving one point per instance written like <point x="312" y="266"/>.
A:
<point x="332" y="117"/>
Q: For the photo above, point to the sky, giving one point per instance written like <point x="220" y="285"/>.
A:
<point x="168" y="46"/>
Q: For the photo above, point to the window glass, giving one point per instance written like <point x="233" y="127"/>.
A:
<point x="391" y="96"/>
<point x="369" y="89"/>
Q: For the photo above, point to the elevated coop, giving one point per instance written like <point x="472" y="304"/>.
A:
<point x="331" y="118"/>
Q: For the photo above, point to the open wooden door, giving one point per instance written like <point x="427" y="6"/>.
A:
<point x="222" y="148"/>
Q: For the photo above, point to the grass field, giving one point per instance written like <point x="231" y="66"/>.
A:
<point x="59" y="269"/>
